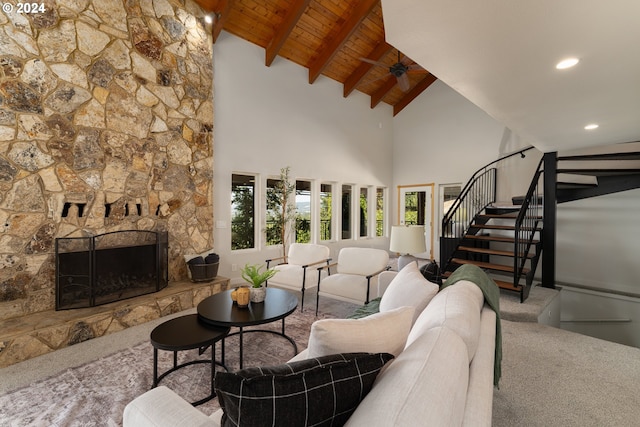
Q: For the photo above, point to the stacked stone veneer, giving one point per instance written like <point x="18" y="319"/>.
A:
<point x="106" y="121"/>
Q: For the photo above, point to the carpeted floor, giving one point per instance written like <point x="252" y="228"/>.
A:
<point x="95" y="393"/>
<point x="550" y="377"/>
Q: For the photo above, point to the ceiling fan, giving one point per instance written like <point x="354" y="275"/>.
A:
<point x="399" y="70"/>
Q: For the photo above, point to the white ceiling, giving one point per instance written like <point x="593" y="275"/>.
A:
<point x="501" y="55"/>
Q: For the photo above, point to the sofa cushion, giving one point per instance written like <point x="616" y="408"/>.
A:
<point x="307" y="253"/>
<point x="379" y="333"/>
<point x="319" y="391"/>
<point x="408" y="288"/>
<point x="456" y="307"/>
<point x="362" y="261"/>
<point x="425" y="386"/>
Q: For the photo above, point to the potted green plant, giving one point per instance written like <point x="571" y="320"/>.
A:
<point x="254" y="275"/>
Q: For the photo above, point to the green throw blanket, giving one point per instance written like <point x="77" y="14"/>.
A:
<point x="492" y="297"/>
<point x="372" y="307"/>
<point x="491" y="294"/>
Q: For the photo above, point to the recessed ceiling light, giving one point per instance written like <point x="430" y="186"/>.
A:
<point x="567" y="63"/>
<point x="208" y="19"/>
<point x="591" y="126"/>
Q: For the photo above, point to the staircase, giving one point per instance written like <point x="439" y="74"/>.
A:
<point x="506" y="241"/>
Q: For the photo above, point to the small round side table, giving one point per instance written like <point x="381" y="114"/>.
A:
<point x="186" y="333"/>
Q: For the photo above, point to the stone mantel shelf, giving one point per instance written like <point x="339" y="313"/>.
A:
<point x="25" y="337"/>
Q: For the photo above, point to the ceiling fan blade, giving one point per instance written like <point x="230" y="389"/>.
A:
<point x="403" y="82"/>
<point x="370" y="61"/>
<point x="385" y="76"/>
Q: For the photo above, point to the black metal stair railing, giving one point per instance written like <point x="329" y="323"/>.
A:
<point x="527" y="224"/>
<point x="478" y="193"/>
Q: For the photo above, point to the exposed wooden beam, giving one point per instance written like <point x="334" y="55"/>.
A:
<point x="359" y="13"/>
<point x="358" y="74"/>
<point x="294" y="13"/>
<point x="380" y="93"/>
<point x="413" y="93"/>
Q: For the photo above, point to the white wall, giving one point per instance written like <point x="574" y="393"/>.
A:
<point x="442" y="138"/>
<point x="267" y="118"/>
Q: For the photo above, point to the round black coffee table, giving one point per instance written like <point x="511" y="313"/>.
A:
<point x="219" y="310"/>
<point x="186" y="333"/>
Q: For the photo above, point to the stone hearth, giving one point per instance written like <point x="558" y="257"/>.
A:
<point x="40" y="333"/>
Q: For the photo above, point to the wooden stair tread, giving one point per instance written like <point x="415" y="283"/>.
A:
<point x="512" y="215"/>
<point x="507" y="285"/>
<point x="605" y="156"/>
<point x="488" y="265"/>
<point x="600" y="172"/>
<point x="490" y="238"/>
<point x="490" y="251"/>
<point x="502" y="227"/>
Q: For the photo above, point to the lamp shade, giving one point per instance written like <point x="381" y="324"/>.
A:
<point x="407" y="239"/>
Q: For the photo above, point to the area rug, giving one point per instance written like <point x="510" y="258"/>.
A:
<point x="96" y="393"/>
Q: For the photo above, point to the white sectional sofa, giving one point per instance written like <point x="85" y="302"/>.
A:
<point x="442" y="375"/>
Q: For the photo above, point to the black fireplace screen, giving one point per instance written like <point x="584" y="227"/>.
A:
<point x="109" y="267"/>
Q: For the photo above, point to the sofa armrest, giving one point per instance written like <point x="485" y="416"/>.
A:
<point x="479" y="407"/>
<point x="162" y="407"/>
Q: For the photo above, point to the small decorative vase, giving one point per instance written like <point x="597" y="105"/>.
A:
<point x="242" y="297"/>
<point x="258" y="294"/>
<point x="234" y="295"/>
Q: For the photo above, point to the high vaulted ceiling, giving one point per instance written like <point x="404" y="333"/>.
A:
<point x="329" y="38"/>
<point x="501" y="55"/>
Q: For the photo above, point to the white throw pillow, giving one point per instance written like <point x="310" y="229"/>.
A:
<point x="379" y="333"/>
<point x="409" y="288"/>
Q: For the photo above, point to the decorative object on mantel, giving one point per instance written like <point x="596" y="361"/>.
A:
<point x="252" y="273"/>
<point x="407" y="240"/>
<point x="203" y="268"/>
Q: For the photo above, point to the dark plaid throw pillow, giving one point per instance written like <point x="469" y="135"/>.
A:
<point x="315" y="392"/>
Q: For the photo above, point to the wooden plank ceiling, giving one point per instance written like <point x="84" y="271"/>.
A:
<point x="329" y="38"/>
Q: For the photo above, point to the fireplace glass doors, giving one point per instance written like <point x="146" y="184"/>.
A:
<point x="109" y="267"/>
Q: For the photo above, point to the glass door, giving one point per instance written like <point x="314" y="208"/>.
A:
<point x="415" y="207"/>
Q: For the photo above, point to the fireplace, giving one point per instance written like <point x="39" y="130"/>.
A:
<point x="109" y="267"/>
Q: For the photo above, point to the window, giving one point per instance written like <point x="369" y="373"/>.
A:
<point x="379" y="212"/>
<point x="303" y="211"/>
<point x="326" y="209"/>
<point x="364" y="200"/>
<point x="346" y="211"/>
<point x="273" y="226"/>
<point x="242" y="211"/>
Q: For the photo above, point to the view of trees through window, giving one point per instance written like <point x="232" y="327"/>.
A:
<point x="346" y="212"/>
<point x="242" y="211"/>
<point x="244" y="191"/>
<point x="379" y="212"/>
<point x="414" y="207"/>
<point x="303" y="211"/>
<point x="364" y="200"/>
<point x="273" y="227"/>
<point x="326" y="209"/>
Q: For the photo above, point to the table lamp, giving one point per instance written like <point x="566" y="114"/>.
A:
<point x="407" y="240"/>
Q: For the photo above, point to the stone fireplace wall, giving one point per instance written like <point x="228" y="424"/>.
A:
<point x="106" y="120"/>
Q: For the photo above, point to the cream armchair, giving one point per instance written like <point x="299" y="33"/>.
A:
<point x="296" y="270"/>
<point x="355" y="278"/>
